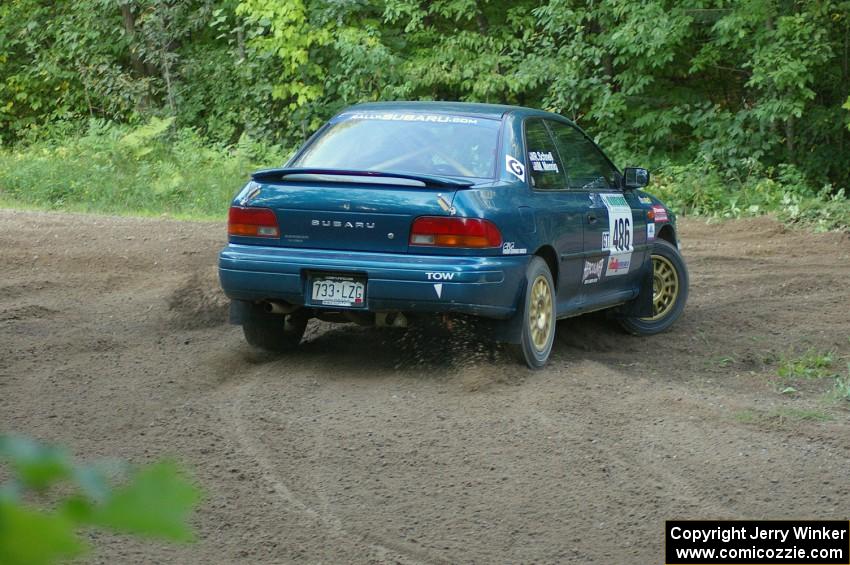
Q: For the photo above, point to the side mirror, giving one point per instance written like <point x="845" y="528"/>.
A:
<point x="635" y="177"/>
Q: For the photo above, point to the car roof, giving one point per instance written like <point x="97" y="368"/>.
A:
<point x="492" y="111"/>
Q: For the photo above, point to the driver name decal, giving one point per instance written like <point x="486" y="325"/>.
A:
<point x="543" y="161"/>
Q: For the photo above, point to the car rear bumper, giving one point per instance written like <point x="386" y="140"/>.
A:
<point x="483" y="286"/>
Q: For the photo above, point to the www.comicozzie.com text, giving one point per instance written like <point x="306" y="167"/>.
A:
<point x="726" y="534"/>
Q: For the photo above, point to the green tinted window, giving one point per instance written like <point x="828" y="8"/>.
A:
<point x="586" y="166"/>
<point x="544" y="165"/>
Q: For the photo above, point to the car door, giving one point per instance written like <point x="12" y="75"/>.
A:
<point x="558" y="211"/>
<point x="613" y="234"/>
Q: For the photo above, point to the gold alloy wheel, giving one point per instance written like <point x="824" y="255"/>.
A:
<point x="665" y="287"/>
<point x="540" y="313"/>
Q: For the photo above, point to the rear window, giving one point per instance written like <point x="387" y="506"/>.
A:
<point x="411" y="142"/>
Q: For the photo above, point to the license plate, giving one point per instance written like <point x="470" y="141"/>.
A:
<point x="338" y="291"/>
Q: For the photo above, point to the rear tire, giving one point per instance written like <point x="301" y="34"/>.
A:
<point x="670" y="292"/>
<point x="275" y="332"/>
<point x="537" y="316"/>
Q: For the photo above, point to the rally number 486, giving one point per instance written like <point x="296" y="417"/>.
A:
<point x="622" y="238"/>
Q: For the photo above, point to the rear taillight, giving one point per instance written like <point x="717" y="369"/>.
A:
<point x="442" y="231"/>
<point x="252" y="222"/>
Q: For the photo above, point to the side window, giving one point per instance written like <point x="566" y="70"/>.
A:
<point x="544" y="164"/>
<point x="586" y="166"/>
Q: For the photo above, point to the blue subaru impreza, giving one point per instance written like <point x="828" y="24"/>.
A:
<point x="393" y="212"/>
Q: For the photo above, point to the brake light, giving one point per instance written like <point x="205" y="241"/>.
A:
<point x="252" y="222"/>
<point x="442" y="231"/>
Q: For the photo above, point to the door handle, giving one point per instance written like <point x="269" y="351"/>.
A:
<point x="591" y="218"/>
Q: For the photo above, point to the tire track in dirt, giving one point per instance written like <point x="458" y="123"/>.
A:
<point x="676" y="482"/>
<point x="382" y="550"/>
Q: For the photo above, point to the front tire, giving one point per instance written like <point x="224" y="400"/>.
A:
<point x="669" y="292"/>
<point x="537" y="315"/>
<point x="275" y="332"/>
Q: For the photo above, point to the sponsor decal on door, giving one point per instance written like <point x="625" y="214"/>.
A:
<point x="593" y="271"/>
<point x="618" y="264"/>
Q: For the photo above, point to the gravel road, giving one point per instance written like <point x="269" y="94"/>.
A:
<point x="371" y="446"/>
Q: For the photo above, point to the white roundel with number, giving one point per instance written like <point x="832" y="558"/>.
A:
<point x="620" y="234"/>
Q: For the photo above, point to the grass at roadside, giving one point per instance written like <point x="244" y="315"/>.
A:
<point x="156" y="169"/>
<point x="841" y="387"/>
<point x="813" y="370"/>
<point x="814" y="386"/>
<point x="148" y="170"/>
<point x="812" y="364"/>
<point x="701" y="190"/>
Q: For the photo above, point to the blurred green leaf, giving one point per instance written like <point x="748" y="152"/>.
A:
<point x="29" y="537"/>
<point x="153" y="501"/>
<point x="36" y="465"/>
<point x="92" y="482"/>
<point x="156" y="502"/>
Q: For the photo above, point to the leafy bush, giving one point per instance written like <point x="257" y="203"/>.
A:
<point x="149" y="169"/>
<point x="37" y="529"/>
<point x="700" y="189"/>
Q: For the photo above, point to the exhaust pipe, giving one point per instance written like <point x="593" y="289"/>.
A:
<point x="280" y="307"/>
<point x="391" y="320"/>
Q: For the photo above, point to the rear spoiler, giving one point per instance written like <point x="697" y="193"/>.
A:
<point x="349" y="176"/>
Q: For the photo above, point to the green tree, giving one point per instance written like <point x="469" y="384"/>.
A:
<point x="741" y="88"/>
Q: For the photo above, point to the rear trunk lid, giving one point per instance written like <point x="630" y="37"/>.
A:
<point x="348" y="210"/>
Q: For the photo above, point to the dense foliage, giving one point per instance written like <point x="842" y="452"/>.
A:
<point x="751" y="89"/>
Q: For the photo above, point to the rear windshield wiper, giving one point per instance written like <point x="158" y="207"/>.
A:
<point x="354" y="176"/>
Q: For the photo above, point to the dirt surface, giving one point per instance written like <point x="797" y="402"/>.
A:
<point x="368" y="446"/>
